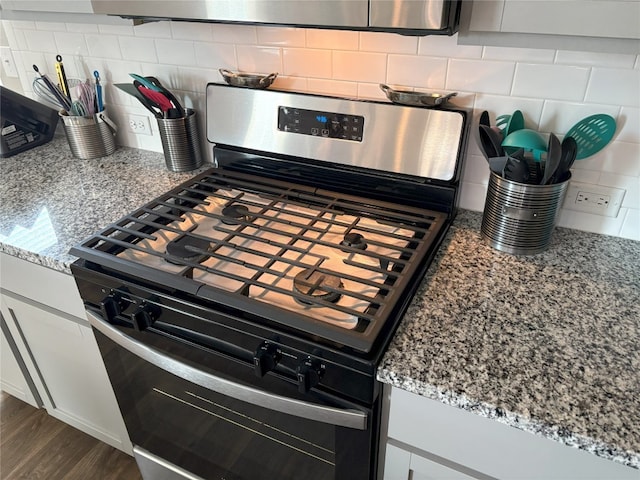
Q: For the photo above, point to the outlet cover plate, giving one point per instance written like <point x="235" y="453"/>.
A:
<point x="139" y="124"/>
<point x="596" y="199"/>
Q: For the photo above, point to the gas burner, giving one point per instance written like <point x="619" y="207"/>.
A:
<point x="184" y="247"/>
<point x="354" y="240"/>
<point x="235" y="214"/>
<point x="316" y="285"/>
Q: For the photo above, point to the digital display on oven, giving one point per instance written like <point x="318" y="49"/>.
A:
<point x="321" y="124"/>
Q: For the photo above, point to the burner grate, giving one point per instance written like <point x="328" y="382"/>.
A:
<point x="283" y="231"/>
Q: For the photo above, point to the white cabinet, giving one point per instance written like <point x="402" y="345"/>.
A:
<point x="595" y="25"/>
<point x="430" y="440"/>
<point x="42" y="309"/>
<point x="14" y="376"/>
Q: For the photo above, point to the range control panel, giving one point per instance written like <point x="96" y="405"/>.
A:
<point x="321" y="124"/>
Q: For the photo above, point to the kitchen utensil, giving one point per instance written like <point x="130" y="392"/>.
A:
<point x="502" y="121"/>
<point x="553" y="159"/>
<point x="247" y="80"/>
<point x="86" y="95"/>
<point x="416" y="99"/>
<point x="516" y="170"/>
<point x="490" y="142"/>
<point x="62" y="77"/>
<point x="99" y="103"/>
<point x="528" y="139"/>
<point x="484" y="119"/>
<point x="144" y="81"/>
<point x="60" y="97"/>
<point x="157" y="98"/>
<point x="178" y="111"/>
<point x="567" y="157"/>
<point x="516" y="122"/>
<point x="592" y="134"/>
<point x="146" y="103"/>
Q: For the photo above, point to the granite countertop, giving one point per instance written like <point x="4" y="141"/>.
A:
<point x="51" y="201"/>
<point x="546" y="343"/>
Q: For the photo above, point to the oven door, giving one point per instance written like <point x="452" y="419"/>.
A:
<point x="195" y="413"/>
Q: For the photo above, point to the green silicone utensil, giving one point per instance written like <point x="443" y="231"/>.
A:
<point x="527" y="139"/>
<point x="592" y="134"/>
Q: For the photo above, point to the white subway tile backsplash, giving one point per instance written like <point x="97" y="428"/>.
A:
<point x="71" y="43"/>
<point x="138" y="48"/>
<point x="332" y="87"/>
<point x="559" y="82"/>
<point x="191" y="31"/>
<point x="255" y="59"/>
<point x="499" y="105"/>
<point x="443" y="46"/>
<point x="175" y="52"/>
<point x="153" y="30"/>
<point x="628" y="125"/>
<point x="480" y="76"/>
<point x="40" y="41"/>
<point x="307" y="63"/>
<point x="593" y="59"/>
<point x="216" y="55"/>
<point x="631" y="225"/>
<point x="388" y="43"/>
<point x="614" y="86"/>
<point x="630" y="184"/>
<point x="116" y="29"/>
<point x="338" y="40"/>
<point x="359" y="66"/>
<point x="619" y="157"/>
<point x="103" y="46"/>
<point x="412" y="70"/>
<point x="281" y="36"/>
<point x="554" y="89"/>
<point x="558" y="117"/>
<point x="531" y="55"/>
<point x="238" y="34"/>
<point x="82" y="27"/>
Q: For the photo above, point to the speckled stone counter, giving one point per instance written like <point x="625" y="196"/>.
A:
<point x="50" y="201"/>
<point x="548" y="343"/>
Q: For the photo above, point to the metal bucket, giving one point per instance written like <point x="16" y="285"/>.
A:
<point x="181" y="142"/>
<point x="91" y="136"/>
<point x="519" y="218"/>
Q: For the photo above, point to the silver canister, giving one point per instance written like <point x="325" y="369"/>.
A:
<point x="519" y="218"/>
<point x="91" y="136"/>
<point x="181" y="142"/>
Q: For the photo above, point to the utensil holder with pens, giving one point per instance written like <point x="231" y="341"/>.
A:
<point x="90" y="136"/>
<point x="181" y="142"/>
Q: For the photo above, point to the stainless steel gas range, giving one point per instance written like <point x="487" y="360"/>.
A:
<point x="242" y="315"/>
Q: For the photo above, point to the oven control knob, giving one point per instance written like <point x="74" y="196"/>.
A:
<point x="309" y="374"/>
<point x="111" y="306"/>
<point x="142" y="317"/>
<point x="265" y="359"/>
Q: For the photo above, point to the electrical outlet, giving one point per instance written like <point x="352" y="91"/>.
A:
<point x="8" y="63"/>
<point x="596" y="199"/>
<point x="139" y="124"/>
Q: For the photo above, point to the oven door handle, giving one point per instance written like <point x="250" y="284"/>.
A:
<point x="349" y="418"/>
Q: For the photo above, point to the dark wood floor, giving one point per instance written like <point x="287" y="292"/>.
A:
<point x="34" y="445"/>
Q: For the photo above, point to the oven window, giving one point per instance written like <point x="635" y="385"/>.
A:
<point x="218" y="437"/>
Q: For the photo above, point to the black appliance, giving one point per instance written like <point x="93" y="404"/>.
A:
<point x="242" y="315"/>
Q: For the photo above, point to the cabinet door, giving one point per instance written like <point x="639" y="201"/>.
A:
<point x="13" y="373"/>
<point x="65" y="356"/>
<point x="424" y="469"/>
<point x="610" y="18"/>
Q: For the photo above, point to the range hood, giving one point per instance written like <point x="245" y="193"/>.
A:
<point x="409" y="17"/>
